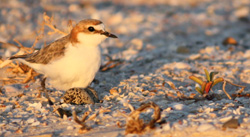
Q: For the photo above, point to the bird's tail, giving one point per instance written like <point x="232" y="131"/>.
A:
<point x="8" y="61"/>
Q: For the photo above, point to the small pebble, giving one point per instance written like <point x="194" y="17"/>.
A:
<point x="205" y="127"/>
<point x="224" y="119"/>
<point x="35" y="123"/>
<point x="229" y="41"/>
<point x="232" y="123"/>
<point x="70" y="128"/>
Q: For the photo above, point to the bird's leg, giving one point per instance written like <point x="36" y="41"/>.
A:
<point x="43" y="87"/>
<point x="45" y="91"/>
<point x="81" y="96"/>
<point x="43" y="83"/>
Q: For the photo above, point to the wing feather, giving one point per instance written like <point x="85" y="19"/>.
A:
<point x="47" y="54"/>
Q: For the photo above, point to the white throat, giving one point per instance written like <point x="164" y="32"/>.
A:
<point x="90" y="39"/>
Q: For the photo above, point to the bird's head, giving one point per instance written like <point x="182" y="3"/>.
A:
<point x="89" y="32"/>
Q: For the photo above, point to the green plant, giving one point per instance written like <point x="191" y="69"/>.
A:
<point x="205" y="86"/>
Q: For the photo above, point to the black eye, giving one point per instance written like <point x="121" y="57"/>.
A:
<point x="91" y="29"/>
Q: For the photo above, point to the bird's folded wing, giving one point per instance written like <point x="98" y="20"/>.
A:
<point x="47" y="54"/>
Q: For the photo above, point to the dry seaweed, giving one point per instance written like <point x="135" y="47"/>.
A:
<point x="111" y="63"/>
<point x="135" y="125"/>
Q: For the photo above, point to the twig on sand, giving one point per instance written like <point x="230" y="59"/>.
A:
<point x="61" y="112"/>
<point x="111" y="63"/>
<point x="242" y="87"/>
<point x="136" y="125"/>
<point x="87" y="117"/>
<point x="241" y="95"/>
<point x="224" y="90"/>
<point x="239" y="92"/>
<point x="171" y="84"/>
<point x="84" y="127"/>
<point x="48" y="22"/>
<point x="26" y="50"/>
<point x="21" y="45"/>
<point x="36" y="40"/>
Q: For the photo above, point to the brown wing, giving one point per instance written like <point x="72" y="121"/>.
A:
<point x="45" y="55"/>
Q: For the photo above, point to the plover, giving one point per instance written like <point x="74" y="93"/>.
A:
<point x="72" y="61"/>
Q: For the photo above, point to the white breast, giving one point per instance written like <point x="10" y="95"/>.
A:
<point x="76" y="69"/>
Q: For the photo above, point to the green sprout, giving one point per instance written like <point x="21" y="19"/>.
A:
<point x="205" y="86"/>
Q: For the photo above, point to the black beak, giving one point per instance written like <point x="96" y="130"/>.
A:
<point x="109" y="34"/>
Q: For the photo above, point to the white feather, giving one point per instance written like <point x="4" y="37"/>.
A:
<point x="76" y="69"/>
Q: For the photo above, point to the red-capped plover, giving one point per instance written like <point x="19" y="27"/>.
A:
<point x="71" y="62"/>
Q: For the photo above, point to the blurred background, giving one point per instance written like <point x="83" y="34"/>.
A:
<point x="170" y="23"/>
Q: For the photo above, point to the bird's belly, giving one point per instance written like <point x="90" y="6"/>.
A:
<point x="74" y="71"/>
